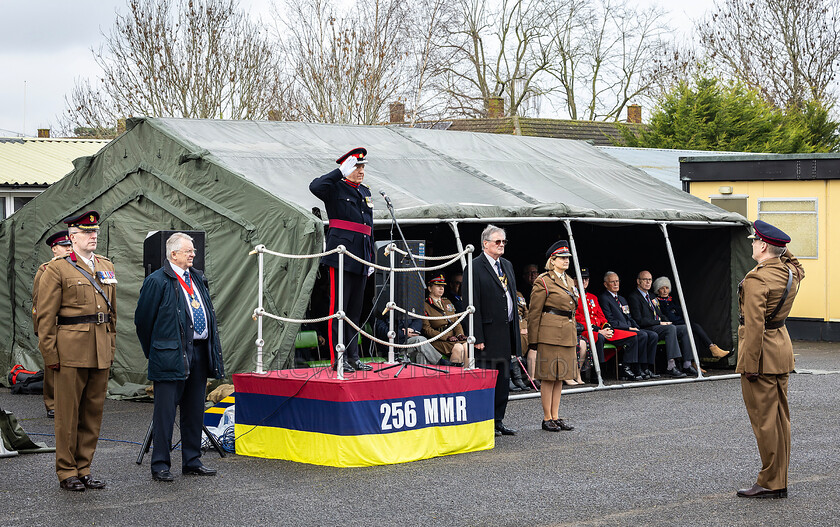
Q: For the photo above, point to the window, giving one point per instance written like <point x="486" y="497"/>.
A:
<point x="737" y="204"/>
<point x="798" y="218"/>
<point x="12" y="200"/>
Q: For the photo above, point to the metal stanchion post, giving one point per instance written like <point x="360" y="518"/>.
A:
<point x="339" y="347"/>
<point x="391" y="331"/>
<point x="471" y="337"/>
<point x="260" y="342"/>
<point x="677" y="283"/>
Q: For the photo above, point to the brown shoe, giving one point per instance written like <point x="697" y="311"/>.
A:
<point x="757" y="491"/>
<point x="717" y="352"/>
<point x="91" y="483"/>
<point x="72" y="483"/>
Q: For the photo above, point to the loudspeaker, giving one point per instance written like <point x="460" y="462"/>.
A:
<point x="154" y="249"/>
<point x="409" y="288"/>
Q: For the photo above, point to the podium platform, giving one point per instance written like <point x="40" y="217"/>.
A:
<point x="369" y="418"/>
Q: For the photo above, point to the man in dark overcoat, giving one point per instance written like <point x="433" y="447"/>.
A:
<point x="496" y="318"/>
<point x="176" y="325"/>
<point x="350" y="210"/>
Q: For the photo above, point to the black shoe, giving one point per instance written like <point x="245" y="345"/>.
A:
<point x="561" y="424"/>
<point x="514" y="388"/>
<point x="676" y="373"/>
<point x="650" y="374"/>
<point x="644" y="375"/>
<point x="51" y="414"/>
<point x="505" y="431"/>
<point x="163" y="475"/>
<point x="200" y="470"/>
<point x="361" y="366"/>
<point x="91" y="483"/>
<point x="757" y="491"/>
<point x="347" y="368"/>
<point x="550" y="426"/>
<point x="457" y="364"/>
<point x="72" y="483"/>
<point x="444" y="362"/>
<point x="626" y="374"/>
<point x="498" y="433"/>
<point x="690" y="371"/>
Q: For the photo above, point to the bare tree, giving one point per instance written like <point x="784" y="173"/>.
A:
<point x="180" y="58"/>
<point x="498" y="51"/>
<point x="609" y="54"/>
<point x="787" y="50"/>
<point x="346" y="69"/>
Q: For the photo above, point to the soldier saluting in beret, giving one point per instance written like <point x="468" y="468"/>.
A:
<point x="765" y="354"/>
<point x="350" y="211"/>
<point x="76" y="315"/>
<point x="61" y="246"/>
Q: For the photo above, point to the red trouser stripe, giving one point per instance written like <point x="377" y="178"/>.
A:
<point x="332" y="312"/>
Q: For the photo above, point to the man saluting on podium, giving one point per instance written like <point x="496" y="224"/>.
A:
<point x="176" y="325"/>
<point x="350" y="211"/>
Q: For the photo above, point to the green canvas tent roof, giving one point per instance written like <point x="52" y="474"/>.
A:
<point x="246" y="183"/>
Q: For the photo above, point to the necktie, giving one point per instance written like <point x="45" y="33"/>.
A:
<point x="499" y="269"/>
<point x="199" y="322"/>
<point x="652" y="307"/>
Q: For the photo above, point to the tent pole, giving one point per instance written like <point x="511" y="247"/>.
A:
<point x="454" y="226"/>
<point x="391" y="333"/>
<point x="339" y="347"/>
<point x="471" y="336"/>
<point x="678" y="285"/>
<point x="260" y="342"/>
<point x="593" y="349"/>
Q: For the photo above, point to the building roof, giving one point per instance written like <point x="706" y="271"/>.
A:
<point x="762" y="167"/>
<point x="664" y="164"/>
<point x="597" y="132"/>
<point x="41" y="161"/>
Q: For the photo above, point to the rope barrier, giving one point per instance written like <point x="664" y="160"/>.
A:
<point x="423" y="257"/>
<point x="263" y="313"/>
<point x="405" y="346"/>
<point x="262" y="249"/>
<point x="391" y="305"/>
<point x="405" y="269"/>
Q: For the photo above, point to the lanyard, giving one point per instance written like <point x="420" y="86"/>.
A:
<point x="189" y="288"/>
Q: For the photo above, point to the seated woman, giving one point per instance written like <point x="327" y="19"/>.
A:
<point x="673" y="312"/>
<point x="454" y="343"/>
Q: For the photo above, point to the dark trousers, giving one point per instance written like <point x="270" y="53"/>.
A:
<point x="647" y="341"/>
<point x="500" y="398"/>
<point x="701" y="339"/>
<point x="354" y="295"/>
<point x="189" y="395"/>
<point x="669" y="335"/>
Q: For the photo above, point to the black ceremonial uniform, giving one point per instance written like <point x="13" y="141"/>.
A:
<point x="350" y="211"/>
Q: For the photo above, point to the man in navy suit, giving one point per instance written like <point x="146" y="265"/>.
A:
<point x="496" y="318"/>
<point x="617" y="311"/>
<point x="350" y="211"/>
<point x="645" y="308"/>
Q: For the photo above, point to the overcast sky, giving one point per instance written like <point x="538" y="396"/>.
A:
<point x="46" y="45"/>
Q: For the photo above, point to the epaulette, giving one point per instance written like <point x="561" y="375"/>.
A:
<point x="363" y="185"/>
<point x="101" y="257"/>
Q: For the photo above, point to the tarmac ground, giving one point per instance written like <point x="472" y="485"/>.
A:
<point x="656" y="455"/>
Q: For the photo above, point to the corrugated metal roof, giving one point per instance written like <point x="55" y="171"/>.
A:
<point x="37" y="161"/>
<point x="663" y="164"/>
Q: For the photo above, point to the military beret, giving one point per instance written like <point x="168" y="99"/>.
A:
<point x="584" y="272"/>
<point x="560" y="248"/>
<point x="87" y="221"/>
<point x="437" y="280"/>
<point x="769" y="234"/>
<point x="359" y="153"/>
<point x="59" y="238"/>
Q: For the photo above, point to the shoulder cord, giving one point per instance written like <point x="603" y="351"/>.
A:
<point x="92" y="282"/>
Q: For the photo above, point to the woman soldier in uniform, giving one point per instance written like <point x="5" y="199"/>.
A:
<point x="552" y="332"/>
<point x="453" y="344"/>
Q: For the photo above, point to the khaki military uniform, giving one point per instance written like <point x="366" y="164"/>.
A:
<point x="551" y="327"/>
<point x="84" y="352"/>
<point x="522" y="307"/>
<point x="433" y="328"/>
<point x="49" y="373"/>
<point x="764" y="347"/>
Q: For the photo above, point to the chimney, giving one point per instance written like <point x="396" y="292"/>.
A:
<point x="495" y="107"/>
<point x="120" y="126"/>
<point x="634" y="114"/>
<point x="44" y="133"/>
<point x="397" y="112"/>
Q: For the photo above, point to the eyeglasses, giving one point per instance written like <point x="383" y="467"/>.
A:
<point x="498" y="242"/>
<point x="192" y="251"/>
<point x="646" y="279"/>
<point x="612" y="281"/>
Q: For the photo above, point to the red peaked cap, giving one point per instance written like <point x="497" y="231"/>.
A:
<point x="59" y="238"/>
<point x="87" y="221"/>
<point x="437" y="280"/>
<point x="359" y="153"/>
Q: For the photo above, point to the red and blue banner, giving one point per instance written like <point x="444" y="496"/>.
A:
<point x="369" y="418"/>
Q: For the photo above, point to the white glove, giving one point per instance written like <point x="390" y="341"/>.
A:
<point x="348" y="166"/>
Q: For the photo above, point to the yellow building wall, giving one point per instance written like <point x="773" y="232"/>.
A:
<point x="814" y="299"/>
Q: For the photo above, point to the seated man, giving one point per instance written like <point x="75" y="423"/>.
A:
<point x="408" y="332"/>
<point x="646" y="310"/>
<point x="673" y="312"/>
<point x="603" y="331"/>
<point x="617" y="311"/>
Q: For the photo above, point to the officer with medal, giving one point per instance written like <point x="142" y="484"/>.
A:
<point x="76" y="316"/>
<point x="765" y="354"/>
<point x="350" y="211"/>
<point x="61" y="246"/>
<point x="453" y="344"/>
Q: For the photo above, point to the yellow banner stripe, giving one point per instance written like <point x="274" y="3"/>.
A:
<point x="364" y="450"/>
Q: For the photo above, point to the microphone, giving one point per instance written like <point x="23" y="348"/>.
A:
<point x="387" y="199"/>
